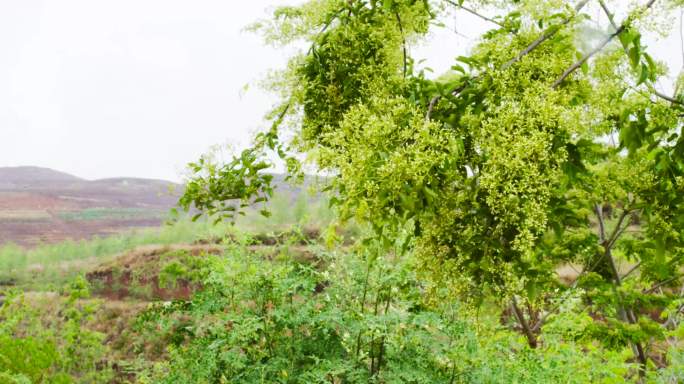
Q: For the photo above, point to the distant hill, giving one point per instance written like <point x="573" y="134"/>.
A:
<point x="34" y="174"/>
<point x="44" y="205"/>
<point x="27" y="177"/>
<point x="41" y="205"/>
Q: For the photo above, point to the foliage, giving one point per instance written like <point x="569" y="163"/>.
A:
<point x="476" y="188"/>
<point x="38" y="348"/>
<point x="240" y="179"/>
<point x="50" y="266"/>
<point x="302" y="314"/>
<point x="346" y="318"/>
<point x="499" y="172"/>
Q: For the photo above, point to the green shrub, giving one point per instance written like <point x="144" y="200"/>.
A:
<point x="45" y="339"/>
<point x="350" y="320"/>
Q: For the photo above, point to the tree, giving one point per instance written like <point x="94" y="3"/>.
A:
<point x="502" y="169"/>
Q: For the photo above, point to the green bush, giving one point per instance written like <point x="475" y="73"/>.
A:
<point x="42" y="346"/>
<point x="351" y="319"/>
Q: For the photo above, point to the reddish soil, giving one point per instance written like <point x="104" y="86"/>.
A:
<point x="11" y="201"/>
<point x="121" y="280"/>
<point x="34" y="202"/>
<point x="33" y="233"/>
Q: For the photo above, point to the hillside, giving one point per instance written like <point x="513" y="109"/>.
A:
<point x="40" y="205"/>
<point x="33" y="177"/>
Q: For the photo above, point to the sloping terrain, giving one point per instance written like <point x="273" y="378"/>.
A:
<point x="152" y="272"/>
<point x="40" y="205"/>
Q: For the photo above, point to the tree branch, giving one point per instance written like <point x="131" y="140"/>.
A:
<point x="472" y="11"/>
<point x="619" y="230"/>
<point x="626" y="314"/>
<point x="403" y="41"/>
<point x="668" y="98"/>
<point x="602" y="237"/>
<point x="587" y="56"/>
<point x="550" y="32"/>
<point x="531" y="338"/>
<point x="596" y="50"/>
<point x="631" y="270"/>
<point x="662" y="283"/>
<point x="615" y="26"/>
<point x="602" y="226"/>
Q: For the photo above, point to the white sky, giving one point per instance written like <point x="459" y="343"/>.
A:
<point x="105" y="88"/>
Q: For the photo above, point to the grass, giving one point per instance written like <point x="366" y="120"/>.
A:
<point x="111" y="214"/>
<point x="49" y="266"/>
<point x="287" y="211"/>
<point x="349" y="310"/>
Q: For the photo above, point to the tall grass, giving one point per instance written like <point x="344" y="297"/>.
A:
<point x="51" y="265"/>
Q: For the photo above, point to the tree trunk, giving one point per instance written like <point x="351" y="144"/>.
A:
<point x="531" y="337"/>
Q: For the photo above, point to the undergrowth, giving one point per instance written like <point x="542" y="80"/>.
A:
<point x="348" y="317"/>
<point x="297" y="312"/>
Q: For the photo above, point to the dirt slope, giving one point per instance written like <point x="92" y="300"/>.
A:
<point x="40" y="205"/>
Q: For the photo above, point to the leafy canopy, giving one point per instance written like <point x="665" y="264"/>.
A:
<point x="501" y="170"/>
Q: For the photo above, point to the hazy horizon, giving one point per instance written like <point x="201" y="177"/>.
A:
<point x="139" y="88"/>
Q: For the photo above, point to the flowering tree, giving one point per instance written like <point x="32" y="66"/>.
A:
<point x="504" y="169"/>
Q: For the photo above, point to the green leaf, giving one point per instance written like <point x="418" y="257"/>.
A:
<point x="634" y="56"/>
<point x="644" y="74"/>
<point x="585" y="68"/>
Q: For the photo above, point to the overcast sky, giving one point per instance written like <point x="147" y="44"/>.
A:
<point x="105" y="88"/>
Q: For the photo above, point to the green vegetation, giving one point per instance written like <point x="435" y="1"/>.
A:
<point x="350" y="318"/>
<point x="111" y="214"/>
<point x="45" y="339"/>
<point x="544" y="148"/>
<point x="294" y="314"/>
<point x="52" y="265"/>
<point x="471" y="195"/>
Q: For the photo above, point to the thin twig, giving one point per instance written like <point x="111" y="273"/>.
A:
<point x="668" y="98"/>
<point x="549" y="33"/>
<point x="323" y="29"/>
<point x="631" y="270"/>
<point x="587" y="56"/>
<point x="655" y="91"/>
<point x="403" y="41"/>
<point x="599" y="213"/>
<point x="472" y="11"/>
<point x="286" y="108"/>
<point x="626" y="314"/>
<point x="596" y="50"/>
<point x="602" y="226"/>
<point x="671" y="322"/>
<point x="662" y="284"/>
<point x="617" y="232"/>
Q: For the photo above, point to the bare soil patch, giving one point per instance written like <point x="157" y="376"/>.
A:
<point x="136" y="274"/>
